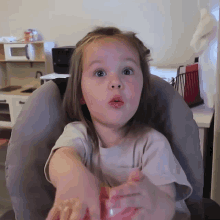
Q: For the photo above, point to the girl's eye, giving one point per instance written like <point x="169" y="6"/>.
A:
<point x="99" y="71"/>
<point x="127" y="71"/>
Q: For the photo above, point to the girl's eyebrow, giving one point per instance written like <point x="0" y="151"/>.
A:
<point x="126" y="59"/>
<point x="95" y="61"/>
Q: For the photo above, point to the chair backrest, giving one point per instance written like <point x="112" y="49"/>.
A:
<point x="42" y="121"/>
<point x="173" y="118"/>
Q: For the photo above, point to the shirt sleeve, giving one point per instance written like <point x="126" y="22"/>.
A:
<point x="73" y="136"/>
<point x="161" y="166"/>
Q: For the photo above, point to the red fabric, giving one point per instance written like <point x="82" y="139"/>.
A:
<point x="191" y="88"/>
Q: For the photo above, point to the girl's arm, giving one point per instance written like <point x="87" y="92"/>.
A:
<point x="65" y="165"/>
<point x="73" y="180"/>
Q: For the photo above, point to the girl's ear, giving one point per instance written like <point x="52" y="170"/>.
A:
<point x="82" y="101"/>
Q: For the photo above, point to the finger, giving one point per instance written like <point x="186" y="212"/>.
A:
<point x="130" y="212"/>
<point x="130" y="188"/>
<point x="127" y="213"/>
<point x="66" y="210"/>
<point x="140" y="215"/>
<point x="95" y="216"/>
<point x="54" y="213"/>
<point x="65" y="213"/>
<point x="78" y="211"/>
<point x="95" y="212"/>
<point x="120" y="191"/>
<point x="133" y="201"/>
<point x="136" y="176"/>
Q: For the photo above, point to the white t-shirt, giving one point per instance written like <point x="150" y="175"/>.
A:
<point x="151" y="153"/>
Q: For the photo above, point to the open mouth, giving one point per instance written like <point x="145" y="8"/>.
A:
<point x="116" y="104"/>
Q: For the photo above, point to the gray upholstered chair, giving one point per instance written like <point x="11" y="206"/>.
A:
<point x="42" y="121"/>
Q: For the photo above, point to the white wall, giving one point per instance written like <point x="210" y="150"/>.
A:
<point x="165" y="26"/>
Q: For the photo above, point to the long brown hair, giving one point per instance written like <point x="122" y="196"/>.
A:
<point x="71" y="102"/>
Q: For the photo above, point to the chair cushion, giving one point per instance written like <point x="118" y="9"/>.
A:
<point x="35" y="132"/>
<point x="42" y="121"/>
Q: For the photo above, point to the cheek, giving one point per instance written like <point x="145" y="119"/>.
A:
<point x="90" y="90"/>
<point x="85" y="89"/>
<point x="135" y="89"/>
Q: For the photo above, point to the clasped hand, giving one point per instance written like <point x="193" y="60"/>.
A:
<point x="138" y="198"/>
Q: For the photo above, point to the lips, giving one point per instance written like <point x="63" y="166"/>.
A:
<point x="116" y="102"/>
<point x="116" y="99"/>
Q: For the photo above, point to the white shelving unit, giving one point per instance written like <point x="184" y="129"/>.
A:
<point x="12" y="72"/>
<point x="21" y="73"/>
<point x="5" y="116"/>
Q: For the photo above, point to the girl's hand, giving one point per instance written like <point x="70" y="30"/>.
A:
<point x="138" y="192"/>
<point x="68" y="209"/>
<point x="87" y="193"/>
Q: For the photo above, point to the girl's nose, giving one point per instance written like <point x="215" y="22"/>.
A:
<point x="115" y="86"/>
<point x="115" y="83"/>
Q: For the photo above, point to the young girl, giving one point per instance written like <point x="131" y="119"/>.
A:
<point x="108" y="141"/>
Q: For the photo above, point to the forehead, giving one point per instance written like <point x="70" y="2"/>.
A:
<point x="115" y="44"/>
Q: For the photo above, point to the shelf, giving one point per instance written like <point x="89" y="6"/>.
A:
<point x="16" y="70"/>
<point x="38" y="49"/>
<point x="5" y="118"/>
<point x="4" y="111"/>
<point x="22" y="61"/>
<point x="4" y="108"/>
<point x="6" y="124"/>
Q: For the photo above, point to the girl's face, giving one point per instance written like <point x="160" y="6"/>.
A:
<point x="108" y="63"/>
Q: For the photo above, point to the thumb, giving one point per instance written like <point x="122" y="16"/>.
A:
<point x="95" y="216"/>
<point x="95" y="213"/>
<point x="135" y="175"/>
